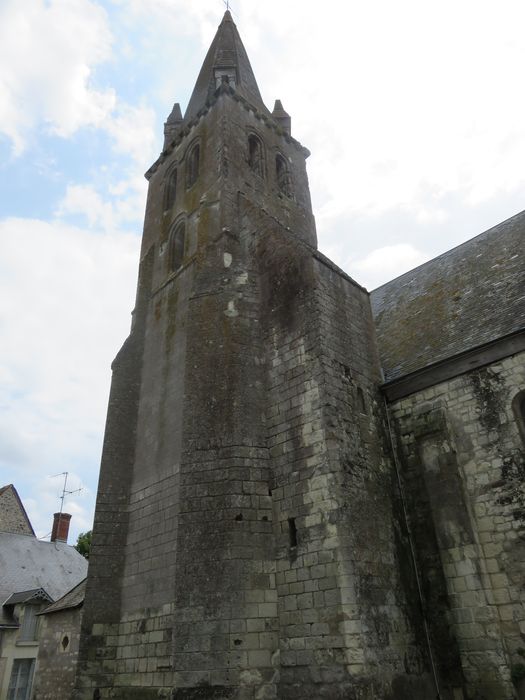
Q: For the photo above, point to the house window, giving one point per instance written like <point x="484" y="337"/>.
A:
<point x="171" y="190"/>
<point x="192" y="166"/>
<point x="28" y="629"/>
<point x="255" y="155"/>
<point x="361" y="404"/>
<point x="176" y="246"/>
<point x="21" y="679"/>
<point x="283" y="176"/>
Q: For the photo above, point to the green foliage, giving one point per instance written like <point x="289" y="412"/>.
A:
<point x="83" y="544"/>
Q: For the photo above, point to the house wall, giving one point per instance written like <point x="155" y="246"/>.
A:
<point x="463" y="467"/>
<point x="12" y="649"/>
<point x="57" y="654"/>
<point x="12" y="516"/>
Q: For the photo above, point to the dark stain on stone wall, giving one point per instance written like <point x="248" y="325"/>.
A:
<point x="486" y="387"/>
<point x="287" y="277"/>
<point x="424" y="492"/>
<point x="490" y="392"/>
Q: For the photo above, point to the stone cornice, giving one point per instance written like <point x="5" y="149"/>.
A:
<point x="223" y="89"/>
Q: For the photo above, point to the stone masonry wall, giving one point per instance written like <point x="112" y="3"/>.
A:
<point x="197" y="601"/>
<point x="248" y="541"/>
<point x="463" y="469"/>
<point x="346" y="628"/>
<point x="12" y="516"/>
<point x="57" y="655"/>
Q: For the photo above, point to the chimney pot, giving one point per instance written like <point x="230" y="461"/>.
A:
<point x="60" y="529"/>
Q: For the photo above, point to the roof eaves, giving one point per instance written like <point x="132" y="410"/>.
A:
<point x="74" y="598"/>
<point x="402" y="385"/>
<point x="27" y="596"/>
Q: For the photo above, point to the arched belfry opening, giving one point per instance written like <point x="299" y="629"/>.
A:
<point x="192" y="165"/>
<point x="284" y="183"/>
<point x="255" y="155"/>
<point x="171" y="190"/>
<point x="176" y="247"/>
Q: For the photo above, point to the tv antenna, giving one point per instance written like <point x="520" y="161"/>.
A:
<point x="65" y="492"/>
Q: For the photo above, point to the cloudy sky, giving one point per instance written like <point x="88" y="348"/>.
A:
<point x="414" y="112"/>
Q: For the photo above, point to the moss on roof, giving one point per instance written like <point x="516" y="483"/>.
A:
<point x="463" y="299"/>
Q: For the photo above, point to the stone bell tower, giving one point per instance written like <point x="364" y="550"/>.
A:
<point x="246" y="543"/>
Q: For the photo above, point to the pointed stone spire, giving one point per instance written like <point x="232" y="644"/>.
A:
<point x="282" y="117"/>
<point x="225" y="62"/>
<point x="172" y="124"/>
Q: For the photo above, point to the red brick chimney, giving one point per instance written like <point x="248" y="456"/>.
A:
<point x="60" y="529"/>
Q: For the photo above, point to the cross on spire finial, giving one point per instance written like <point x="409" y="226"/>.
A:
<point x="227" y="3"/>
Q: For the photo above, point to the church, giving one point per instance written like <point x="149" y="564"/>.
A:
<point x="307" y="490"/>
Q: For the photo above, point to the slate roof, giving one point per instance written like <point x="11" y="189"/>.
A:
<point x="28" y="563"/>
<point x="26" y="596"/>
<point x="72" y="599"/>
<point x="469" y="296"/>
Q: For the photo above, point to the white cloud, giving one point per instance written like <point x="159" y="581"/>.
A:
<point x="118" y="205"/>
<point x="47" y="54"/>
<point x="394" y="100"/>
<point x="109" y="203"/>
<point x="65" y="298"/>
<point x="84" y="200"/>
<point x="173" y="16"/>
<point x="133" y="132"/>
<point x="383" y="264"/>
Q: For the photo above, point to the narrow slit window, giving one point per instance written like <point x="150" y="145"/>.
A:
<point x="177" y="246"/>
<point x="171" y="190"/>
<point x="283" y="176"/>
<point x="192" y="166"/>
<point x="361" y="404"/>
<point x="255" y="155"/>
<point x="518" y="405"/>
<point x="292" y="532"/>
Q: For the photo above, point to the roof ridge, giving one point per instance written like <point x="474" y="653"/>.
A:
<point x="450" y="250"/>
